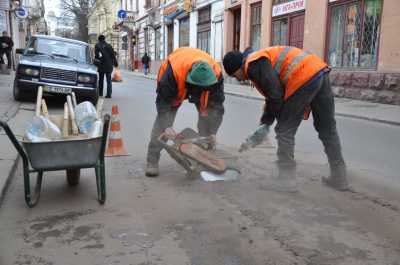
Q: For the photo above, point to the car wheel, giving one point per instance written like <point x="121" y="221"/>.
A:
<point x="18" y="93"/>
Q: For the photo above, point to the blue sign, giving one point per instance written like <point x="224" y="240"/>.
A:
<point x="21" y="12"/>
<point x="122" y="14"/>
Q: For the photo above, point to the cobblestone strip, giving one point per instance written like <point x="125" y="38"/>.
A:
<point x="8" y="106"/>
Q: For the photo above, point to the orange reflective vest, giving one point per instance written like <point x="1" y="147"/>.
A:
<point x="293" y="65"/>
<point x="181" y="61"/>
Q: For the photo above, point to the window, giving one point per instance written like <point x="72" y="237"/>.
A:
<point x="280" y="32"/>
<point x="158" y="44"/>
<point x="170" y="29"/>
<point x="204" y="29"/>
<point x="281" y="1"/>
<point x="256" y="26"/>
<point x="203" y="41"/>
<point x="147" y="4"/>
<point x="146" y="40"/>
<point x="184" y="32"/>
<point x="353" y="34"/>
<point x="236" y="29"/>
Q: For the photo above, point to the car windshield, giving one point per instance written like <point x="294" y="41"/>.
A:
<point x="59" y="48"/>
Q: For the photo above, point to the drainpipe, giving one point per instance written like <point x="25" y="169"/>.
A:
<point x="164" y="33"/>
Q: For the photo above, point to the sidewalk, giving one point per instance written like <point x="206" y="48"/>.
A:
<point x="389" y="114"/>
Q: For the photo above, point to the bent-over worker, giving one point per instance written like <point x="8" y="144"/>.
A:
<point x="187" y="73"/>
<point x="293" y="82"/>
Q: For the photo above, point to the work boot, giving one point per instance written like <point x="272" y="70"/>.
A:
<point x="337" y="179"/>
<point x="152" y="169"/>
<point x="286" y="180"/>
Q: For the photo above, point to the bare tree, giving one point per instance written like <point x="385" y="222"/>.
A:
<point x="78" y="11"/>
<point x="66" y="33"/>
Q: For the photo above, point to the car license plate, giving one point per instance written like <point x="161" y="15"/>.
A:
<point x="54" y="89"/>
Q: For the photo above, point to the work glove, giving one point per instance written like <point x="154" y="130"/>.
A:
<point x="267" y="117"/>
<point x="214" y="141"/>
<point x="170" y="133"/>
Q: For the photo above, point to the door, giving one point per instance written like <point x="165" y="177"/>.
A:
<point x="296" y="31"/>
<point x="236" y="28"/>
<point x="170" y="39"/>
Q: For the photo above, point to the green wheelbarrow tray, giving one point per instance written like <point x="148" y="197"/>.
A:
<point x="191" y="151"/>
<point x="71" y="155"/>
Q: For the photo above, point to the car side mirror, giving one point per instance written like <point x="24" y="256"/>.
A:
<point x="96" y="62"/>
<point x="19" y="51"/>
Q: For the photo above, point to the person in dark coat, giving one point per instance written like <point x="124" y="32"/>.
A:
<point x="105" y="53"/>
<point x="145" y="62"/>
<point x="6" y="44"/>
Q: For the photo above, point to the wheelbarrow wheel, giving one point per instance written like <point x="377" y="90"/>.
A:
<point x="73" y="176"/>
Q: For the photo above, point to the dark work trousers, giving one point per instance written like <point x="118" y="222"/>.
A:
<point x="160" y="124"/>
<point x="8" y="55"/>
<point x="319" y="95"/>
<point x="101" y="83"/>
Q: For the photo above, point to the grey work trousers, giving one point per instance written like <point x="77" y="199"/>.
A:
<point x="206" y="125"/>
<point x="154" y="148"/>
<point x="319" y="96"/>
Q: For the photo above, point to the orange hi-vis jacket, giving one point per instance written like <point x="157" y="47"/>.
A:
<point x="181" y="61"/>
<point x="294" y="66"/>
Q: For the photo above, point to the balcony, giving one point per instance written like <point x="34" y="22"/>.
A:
<point x="34" y="12"/>
<point x="153" y="19"/>
<point x="130" y="17"/>
<point x="92" y="37"/>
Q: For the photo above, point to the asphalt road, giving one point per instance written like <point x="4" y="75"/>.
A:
<point x="180" y="219"/>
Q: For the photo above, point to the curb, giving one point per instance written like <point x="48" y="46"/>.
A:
<point x="338" y="113"/>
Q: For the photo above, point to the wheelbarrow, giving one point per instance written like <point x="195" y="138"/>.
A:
<point x="192" y="152"/>
<point x="71" y="155"/>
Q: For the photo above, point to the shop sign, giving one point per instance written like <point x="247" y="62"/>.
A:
<point x="5" y="5"/>
<point x="184" y="5"/>
<point x="290" y="7"/>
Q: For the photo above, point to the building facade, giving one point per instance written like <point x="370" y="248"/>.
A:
<point x="57" y="25"/>
<point x="22" y="19"/>
<point x="101" y="20"/>
<point x="356" y="38"/>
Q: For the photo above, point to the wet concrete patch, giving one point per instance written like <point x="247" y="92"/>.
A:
<point x="48" y="222"/>
<point x="130" y="237"/>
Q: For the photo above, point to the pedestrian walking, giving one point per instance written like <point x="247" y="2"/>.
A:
<point x="6" y="44"/>
<point x="294" y="83"/>
<point x="145" y="62"/>
<point x="105" y="53"/>
<point x="187" y="73"/>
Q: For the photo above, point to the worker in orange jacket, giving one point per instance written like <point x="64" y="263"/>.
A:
<point x="293" y="82"/>
<point x="187" y="73"/>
